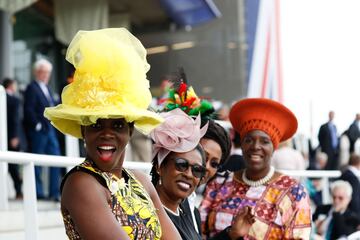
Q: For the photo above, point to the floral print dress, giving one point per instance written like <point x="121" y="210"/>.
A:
<point x="131" y="205"/>
<point x="281" y="208"/>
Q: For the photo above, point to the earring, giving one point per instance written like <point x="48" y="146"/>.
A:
<point x="84" y="144"/>
<point x="160" y="181"/>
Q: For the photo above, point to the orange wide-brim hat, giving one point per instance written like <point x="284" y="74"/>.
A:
<point x="266" y="115"/>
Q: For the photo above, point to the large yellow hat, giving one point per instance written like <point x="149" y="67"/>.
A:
<point x="109" y="82"/>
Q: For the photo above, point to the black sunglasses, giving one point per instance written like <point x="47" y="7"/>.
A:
<point x="182" y="165"/>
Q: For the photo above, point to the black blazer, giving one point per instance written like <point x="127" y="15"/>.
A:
<point x="343" y="224"/>
<point x="353" y="134"/>
<point x="324" y="137"/>
<point x="350" y="177"/>
<point x="13" y="116"/>
<point x="35" y="103"/>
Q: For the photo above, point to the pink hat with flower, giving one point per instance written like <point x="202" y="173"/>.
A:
<point x="178" y="133"/>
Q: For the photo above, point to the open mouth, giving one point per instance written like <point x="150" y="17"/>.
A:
<point x="106" y="152"/>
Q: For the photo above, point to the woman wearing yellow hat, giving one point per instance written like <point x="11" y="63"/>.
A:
<point x="279" y="203"/>
<point x="107" y="99"/>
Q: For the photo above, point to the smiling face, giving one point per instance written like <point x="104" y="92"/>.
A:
<point x="213" y="155"/>
<point x="105" y="143"/>
<point x="177" y="185"/>
<point x="257" y="150"/>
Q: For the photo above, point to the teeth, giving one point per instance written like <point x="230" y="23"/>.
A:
<point x="106" y="148"/>
<point x="184" y="185"/>
<point x="255" y="157"/>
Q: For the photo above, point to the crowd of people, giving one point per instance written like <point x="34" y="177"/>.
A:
<point x="234" y="171"/>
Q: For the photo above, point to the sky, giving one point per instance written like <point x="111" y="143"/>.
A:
<point x="320" y="41"/>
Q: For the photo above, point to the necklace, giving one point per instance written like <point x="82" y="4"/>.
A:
<point x="259" y="182"/>
<point x="171" y="211"/>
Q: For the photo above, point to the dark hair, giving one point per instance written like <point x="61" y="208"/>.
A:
<point x="236" y="139"/>
<point x="220" y="135"/>
<point x="8" y="82"/>
<point x="354" y="159"/>
<point x="154" y="174"/>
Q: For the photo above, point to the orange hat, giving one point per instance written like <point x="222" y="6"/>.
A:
<point x="266" y="115"/>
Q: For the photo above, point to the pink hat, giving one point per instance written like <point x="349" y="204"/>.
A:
<point x="178" y="133"/>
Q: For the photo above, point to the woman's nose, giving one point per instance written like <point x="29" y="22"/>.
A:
<point x="107" y="132"/>
<point x="256" y="145"/>
<point x="188" y="172"/>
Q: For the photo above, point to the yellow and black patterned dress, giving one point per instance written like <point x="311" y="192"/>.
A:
<point x="131" y="204"/>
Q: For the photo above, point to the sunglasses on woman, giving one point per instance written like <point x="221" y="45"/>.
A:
<point x="182" y="165"/>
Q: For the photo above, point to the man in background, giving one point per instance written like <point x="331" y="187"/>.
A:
<point x="13" y="129"/>
<point x="329" y="142"/>
<point x="41" y="134"/>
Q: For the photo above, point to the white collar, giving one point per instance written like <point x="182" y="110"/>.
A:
<point x="237" y="151"/>
<point x="41" y="83"/>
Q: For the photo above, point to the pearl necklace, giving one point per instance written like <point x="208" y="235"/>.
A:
<point x="177" y="213"/>
<point x="259" y="182"/>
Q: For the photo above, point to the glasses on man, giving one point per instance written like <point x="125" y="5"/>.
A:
<point x="182" y="165"/>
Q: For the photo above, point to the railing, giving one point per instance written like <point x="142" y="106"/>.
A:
<point x="29" y="160"/>
<point x="3" y="147"/>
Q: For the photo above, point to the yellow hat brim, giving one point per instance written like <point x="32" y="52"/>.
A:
<point x="68" y="119"/>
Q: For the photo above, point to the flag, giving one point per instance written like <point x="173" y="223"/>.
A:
<point x="264" y="56"/>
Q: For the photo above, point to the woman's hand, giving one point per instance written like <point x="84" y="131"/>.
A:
<point x="242" y="223"/>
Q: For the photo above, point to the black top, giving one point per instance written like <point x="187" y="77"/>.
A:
<point x="184" y="223"/>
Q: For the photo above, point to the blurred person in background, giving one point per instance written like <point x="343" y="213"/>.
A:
<point x="13" y="131"/>
<point x="279" y="203"/>
<point x="140" y="146"/>
<point x="287" y="158"/>
<point x="329" y="142"/>
<point x="344" y="150"/>
<point x="354" y="132"/>
<point x="222" y="113"/>
<point x="315" y="185"/>
<point x="41" y="135"/>
<point x="336" y="220"/>
<point x="351" y="174"/>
